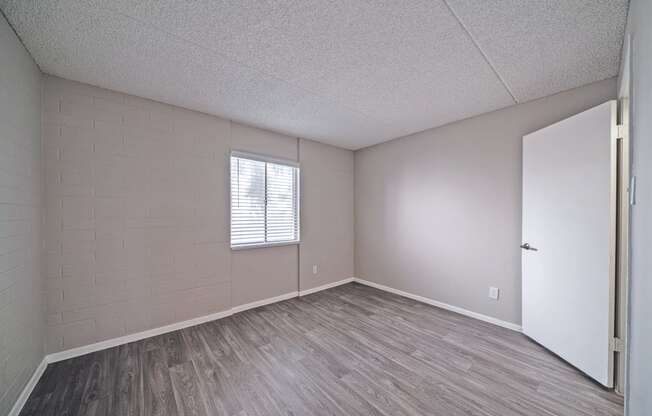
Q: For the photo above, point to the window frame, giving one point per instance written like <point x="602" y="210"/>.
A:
<point x="265" y="159"/>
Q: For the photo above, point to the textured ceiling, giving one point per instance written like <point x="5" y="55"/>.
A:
<point x="346" y="72"/>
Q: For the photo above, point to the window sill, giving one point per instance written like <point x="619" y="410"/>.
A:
<point x="263" y="245"/>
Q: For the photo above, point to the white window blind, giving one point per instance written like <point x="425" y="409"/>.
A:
<point x="264" y="201"/>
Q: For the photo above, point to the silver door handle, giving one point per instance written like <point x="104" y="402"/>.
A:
<point x="526" y="246"/>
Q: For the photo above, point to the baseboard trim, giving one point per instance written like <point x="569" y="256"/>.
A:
<point x="259" y="303"/>
<point x="114" y="342"/>
<point x="456" y="309"/>
<point x="326" y="286"/>
<point x="29" y="387"/>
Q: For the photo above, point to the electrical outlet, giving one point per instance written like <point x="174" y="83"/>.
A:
<point x="494" y="292"/>
<point x="314" y="269"/>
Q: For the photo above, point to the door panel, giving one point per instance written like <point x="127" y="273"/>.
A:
<point x="569" y="208"/>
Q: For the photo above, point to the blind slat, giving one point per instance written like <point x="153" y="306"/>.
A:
<point x="264" y="202"/>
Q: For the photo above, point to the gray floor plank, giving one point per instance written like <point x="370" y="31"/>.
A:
<point x="190" y="400"/>
<point x="350" y="350"/>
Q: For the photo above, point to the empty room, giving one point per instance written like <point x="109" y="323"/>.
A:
<point x="330" y="207"/>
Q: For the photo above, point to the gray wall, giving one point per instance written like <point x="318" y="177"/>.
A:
<point x="639" y="400"/>
<point x="326" y="214"/>
<point x="137" y="215"/>
<point x="438" y="213"/>
<point x="21" y="286"/>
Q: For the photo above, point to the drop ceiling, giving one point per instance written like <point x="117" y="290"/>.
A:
<point x="351" y="73"/>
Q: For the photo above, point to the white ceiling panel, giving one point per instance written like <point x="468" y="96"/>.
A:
<point x="346" y="72"/>
<point x="399" y="62"/>
<point x="541" y="47"/>
<point x="108" y="50"/>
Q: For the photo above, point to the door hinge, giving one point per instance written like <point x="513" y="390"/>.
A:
<point x="617" y="345"/>
<point x="621" y="131"/>
<point x="632" y="190"/>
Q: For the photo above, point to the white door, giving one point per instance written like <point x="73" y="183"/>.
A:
<point x="568" y="252"/>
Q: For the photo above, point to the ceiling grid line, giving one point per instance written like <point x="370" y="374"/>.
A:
<point x="482" y="52"/>
<point x="346" y="73"/>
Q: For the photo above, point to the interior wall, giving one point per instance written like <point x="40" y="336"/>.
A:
<point x="327" y="226"/>
<point x="639" y="400"/>
<point x="270" y="271"/>
<point x="438" y="213"/>
<point x="21" y="286"/>
<point x="137" y="217"/>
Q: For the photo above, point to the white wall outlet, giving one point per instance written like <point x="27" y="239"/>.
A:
<point x="494" y="292"/>
<point x="314" y="269"/>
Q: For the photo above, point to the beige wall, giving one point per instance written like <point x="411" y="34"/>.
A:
<point x="21" y="285"/>
<point x="327" y="230"/>
<point x="438" y="213"/>
<point x="639" y="399"/>
<point x="137" y="215"/>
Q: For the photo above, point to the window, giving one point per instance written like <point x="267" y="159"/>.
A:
<point x="264" y="201"/>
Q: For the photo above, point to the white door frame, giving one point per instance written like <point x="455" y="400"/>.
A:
<point x="622" y="282"/>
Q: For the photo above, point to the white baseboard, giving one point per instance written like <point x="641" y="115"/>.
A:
<point x="461" y="311"/>
<point x="326" y="286"/>
<point x="98" y="346"/>
<point x="264" y="302"/>
<point x="27" y="390"/>
<point x="114" y="342"/>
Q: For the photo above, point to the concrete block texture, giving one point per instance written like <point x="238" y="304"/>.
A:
<point x="137" y="218"/>
<point x="22" y="314"/>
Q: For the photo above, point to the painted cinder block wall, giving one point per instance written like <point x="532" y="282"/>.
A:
<point x="137" y="214"/>
<point x="21" y="286"/>
<point x="137" y="211"/>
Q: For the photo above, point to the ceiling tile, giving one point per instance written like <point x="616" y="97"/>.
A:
<point x="113" y="51"/>
<point x="541" y="47"/>
<point x="346" y="72"/>
<point x="409" y="64"/>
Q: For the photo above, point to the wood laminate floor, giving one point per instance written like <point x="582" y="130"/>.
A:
<point x="351" y="350"/>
